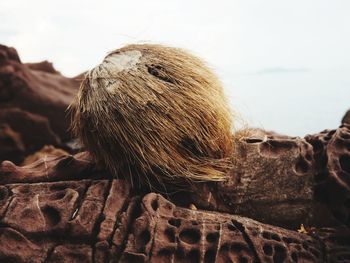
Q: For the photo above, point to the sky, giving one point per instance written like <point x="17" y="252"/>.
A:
<point x="285" y="65"/>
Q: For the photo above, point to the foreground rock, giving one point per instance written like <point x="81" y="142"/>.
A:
<point x="64" y="209"/>
<point x="102" y="221"/>
<point x="33" y="98"/>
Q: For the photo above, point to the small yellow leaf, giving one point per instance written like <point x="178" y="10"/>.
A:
<point x="193" y="207"/>
<point x="302" y="229"/>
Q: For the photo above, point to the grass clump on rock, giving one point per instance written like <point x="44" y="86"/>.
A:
<point x="155" y="114"/>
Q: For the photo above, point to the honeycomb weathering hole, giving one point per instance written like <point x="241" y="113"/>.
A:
<point x="145" y="237"/>
<point x="175" y="222"/>
<point x="194" y="255"/>
<point x="209" y="256"/>
<point x="170" y="234"/>
<point x="58" y="187"/>
<point x="164" y="255"/>
<point x="58" y="195"/>
<point x="190" y="236"/>
<point x="253" y="140"/>
<point x="52" y="216"/>
<point x="301" y="166"/>
<point x="267" y="249"/>
<point x="238" y="247"/>
<point x="274" y="148"/>
<point x="3" y="193"/>
<point x="271" y="236"/>
<point x="280" y="254"/>
<point x="155" y="204"/>
<point x="212" y="237"/>
<point x="344" y="161"/>
<point x="231" y="227"/>
<point x="345" y="135"/>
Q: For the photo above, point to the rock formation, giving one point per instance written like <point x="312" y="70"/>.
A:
<point x="64" y="208"/>
<point x="32" y="97"/>
<point x="346" y="118"/>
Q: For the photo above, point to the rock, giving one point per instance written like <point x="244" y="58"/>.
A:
<point x="260" y="167"/>
<point x="8" y="53"/>
<point x="51" y="168"/>
<point x="44" y="66"/>
<point x="37" y="89"/>
<point x="71" y="253"/>
<point x="332" y="178"/>
<point x="96" y="220"/>
<point x="276" y="180"/>
<point x="15" y="247"/>
<point x="47" y="150"/>
<point x="162" y="232"/>
<point x="12" y="146"/>
<point x="24" y="142"/>
<point x="346" y="118"/>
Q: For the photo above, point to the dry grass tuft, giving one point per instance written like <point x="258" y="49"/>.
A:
<point x="155" y="114"/>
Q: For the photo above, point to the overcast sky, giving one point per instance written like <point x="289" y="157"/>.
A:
<point x="285" y="64"/>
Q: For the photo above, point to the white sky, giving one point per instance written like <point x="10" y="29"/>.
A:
<point x="285" y="64"/>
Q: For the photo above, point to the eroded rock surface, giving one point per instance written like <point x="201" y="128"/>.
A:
<point x="103" y="221"/>
<point x="332" y="179"/>
<point x="33" y="98"/>
<point x="65" y="209"/>
<point x="272" y="176"/>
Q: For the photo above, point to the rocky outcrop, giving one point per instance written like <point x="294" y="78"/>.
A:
<point x="44" y="66"/>
<point x="16" y="142"/>
<point x="332" y="177"/>
<point x="346" y="118"/>
<point x="47" y="150"/>
<point x="33" y="97"/>
<point x="65" y="209"/>
<point x="104" y="221"/>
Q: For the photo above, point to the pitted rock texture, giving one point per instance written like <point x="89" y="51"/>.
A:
<point x="52" y="168"/>
<point x="265" y="185"/>
<point x="166" y="233"/>
<point x="32" y="98"/>
<point x="272" y="176"/>
<point x="332" y="179"/>
<point x="65" y="209"/>
<point x="104" y="221"/>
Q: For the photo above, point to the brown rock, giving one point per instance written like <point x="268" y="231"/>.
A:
<point x="17" y="123"/>
<point x="43" y="220"/>
<point x="47" y="150"/>
<point x="346" y="118"/>
<point x="35" y="91"/>
<point x="272" y="178"/>
<point x="332" y="179"/>
<point x="166" y="233"/>
<point x="41" y="208"/>
<point x="44" y="66"/>
<point x="8" y="53"/>
<point x="336" y="243"/>
<point x="71" y="254"/>
<point x="64" y="209"/>
<point x="12" y="146"/>
<point x="51" y="168"/>
<point x="15" y="247"/>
